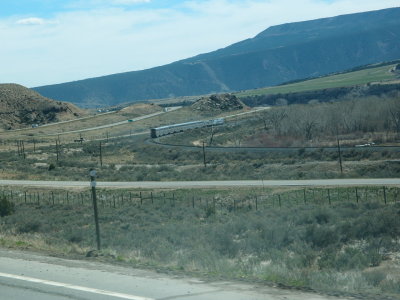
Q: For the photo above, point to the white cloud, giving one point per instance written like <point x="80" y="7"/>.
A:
<point x="86" y="43"/>
<point x="31" y="21"/>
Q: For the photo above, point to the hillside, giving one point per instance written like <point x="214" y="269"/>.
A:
<point x="21" y="107"/>
<point x="279" y="54"/>
<point x="385" y="73"/>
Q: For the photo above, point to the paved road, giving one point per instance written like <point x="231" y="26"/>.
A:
<point x="108" y="125"/>
<point x="36" y="277"/>
<point x="206" y="184"/>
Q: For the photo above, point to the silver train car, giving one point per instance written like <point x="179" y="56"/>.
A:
<point x="174" y="128"/>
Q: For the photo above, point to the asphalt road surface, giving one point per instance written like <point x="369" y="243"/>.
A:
<point x="36" y="277"/>
<point x="206" y="184"/>
<point x="109" y="125"/>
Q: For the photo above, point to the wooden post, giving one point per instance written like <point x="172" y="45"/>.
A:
<point x="151" y="195"/>
<point x="141" y="199"/>
<point x="96" y="217"/>
<point x="384" y="195"/>
<point x="357" y="195"/>
<point x="204" y="156"/>
<point x="256" y="203"/>
<point x="280" y="203"/>
<point x="101" y="155"/>
<point x="23" y="150"/>
<point x="329" y="197"/>
<point x="192" y="201"/>
<point x="340" y="155"/>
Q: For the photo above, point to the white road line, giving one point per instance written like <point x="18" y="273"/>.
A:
<point x="75" y="287"/>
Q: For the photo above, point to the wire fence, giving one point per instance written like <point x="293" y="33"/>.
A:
<point x="212" y="203"/>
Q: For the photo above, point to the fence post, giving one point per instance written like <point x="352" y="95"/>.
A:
<point x="329" y="197"/>
<point x="256" y="203"/>
<point x="94" y="198"/>
<point x="280" y="203"/>
<point x="384" y="194"/>
<point x="192" y="201"/>
<point x="357" y="195"/>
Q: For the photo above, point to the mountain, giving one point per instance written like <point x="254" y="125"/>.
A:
<point x="279" y="54"/>
<point x="21" y="107"/>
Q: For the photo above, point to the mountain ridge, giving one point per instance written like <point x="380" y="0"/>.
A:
<point x="302" y="50"/>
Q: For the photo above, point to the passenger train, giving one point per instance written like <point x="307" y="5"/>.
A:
<point x="174" y="128"/>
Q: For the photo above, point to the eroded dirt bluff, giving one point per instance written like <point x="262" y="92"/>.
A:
<point x="21" y="107"/>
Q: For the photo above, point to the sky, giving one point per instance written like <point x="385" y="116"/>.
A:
<point x="53" y="41"/>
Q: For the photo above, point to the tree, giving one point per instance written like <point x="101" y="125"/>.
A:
<point x="394" y="110"/>
<point x="6" y="207"/>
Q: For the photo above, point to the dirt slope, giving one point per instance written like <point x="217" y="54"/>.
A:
<point x="21" y="107"/>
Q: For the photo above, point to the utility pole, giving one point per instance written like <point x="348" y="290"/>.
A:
<point x="23" y="150"/>
<point x="204" y="155"/>
<point x="212" y="134"/>
<point x="101" y="156"/>
<point x="340" y="154"/>
<point x="93" y="174"/>
<point x="57" y="150"/>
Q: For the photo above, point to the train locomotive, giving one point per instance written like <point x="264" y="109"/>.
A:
<point x="174" y="128"/>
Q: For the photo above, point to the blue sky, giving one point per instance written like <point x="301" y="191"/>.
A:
<point x="48" y="8"/>
<point x="54" y="41"/>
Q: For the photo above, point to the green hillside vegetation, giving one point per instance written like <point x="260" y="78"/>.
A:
<point x="369" y="75"/>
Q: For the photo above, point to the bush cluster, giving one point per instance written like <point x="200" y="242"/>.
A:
<point x="6" y="206"/>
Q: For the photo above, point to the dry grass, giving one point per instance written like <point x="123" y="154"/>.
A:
<point x="326" y="248"/>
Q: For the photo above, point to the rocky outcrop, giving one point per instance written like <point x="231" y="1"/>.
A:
<point x="221" y="102"/>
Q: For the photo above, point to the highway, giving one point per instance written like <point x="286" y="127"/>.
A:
<point x="38" y="277"/>
<point x="108" y="125"/>
<point x="206" y="184"/>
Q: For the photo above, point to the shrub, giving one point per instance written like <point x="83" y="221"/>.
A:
<point x="28" y="227"/>
<point x="6" y="207"/>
